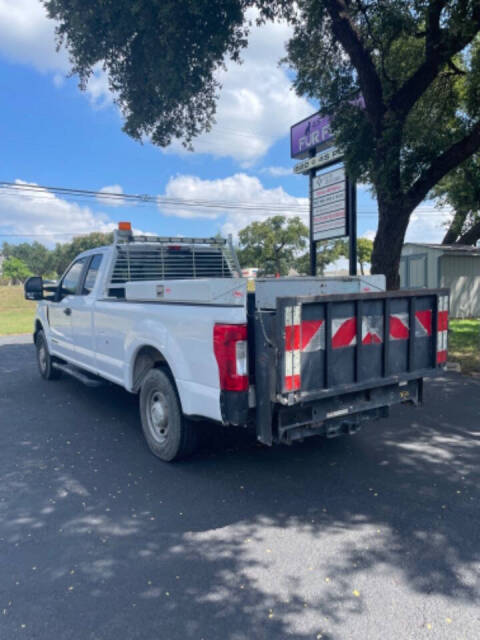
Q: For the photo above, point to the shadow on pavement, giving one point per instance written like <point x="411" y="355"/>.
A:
<point x="238" y="542"/>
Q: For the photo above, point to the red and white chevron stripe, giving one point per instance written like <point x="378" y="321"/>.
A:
<point x="300" y="336"/>
<point x="344" y="330"/>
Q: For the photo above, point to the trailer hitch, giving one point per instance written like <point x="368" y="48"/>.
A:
<point x="348" y="427"/>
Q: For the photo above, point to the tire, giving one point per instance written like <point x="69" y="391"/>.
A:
<point x="169" y="435"/>
<point x="44" y="359"/>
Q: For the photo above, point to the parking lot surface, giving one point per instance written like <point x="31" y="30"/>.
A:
<point x="375" y="536"/>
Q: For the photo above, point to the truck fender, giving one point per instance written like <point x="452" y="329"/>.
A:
<point x="142" y="356"/>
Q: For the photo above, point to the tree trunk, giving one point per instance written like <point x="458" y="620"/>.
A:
<point x="450" y="236"/>
<point x="471" y="236"/>
<point x="387" y="247"/>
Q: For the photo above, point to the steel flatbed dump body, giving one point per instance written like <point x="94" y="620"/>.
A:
<point x="324" y="364"/>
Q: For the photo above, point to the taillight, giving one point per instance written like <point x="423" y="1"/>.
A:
<point x="230" y="348"/>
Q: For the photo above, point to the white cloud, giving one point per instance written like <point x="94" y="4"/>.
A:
<point x="364" y="186"/>
<point x="27" y="36"/>
<point x="98" y="89"/>
<point x="277" y="172"/>
<point x="111" y="200"/>
<point x="241" y="190"/>
<point x="428" y="223"/>
<point x="257" y="105"/>
<point x="43" y="216"/>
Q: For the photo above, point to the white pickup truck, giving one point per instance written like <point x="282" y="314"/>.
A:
<point x="171" y="319"/>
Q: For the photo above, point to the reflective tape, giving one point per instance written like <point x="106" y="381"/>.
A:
<point x="312" y="335"/>
<point x="399" y="326"/>
<point x="423" y="323"/>
<point x="344" y="332"/>
<point x="292" y="348"/>
<point x="372" y="329"/>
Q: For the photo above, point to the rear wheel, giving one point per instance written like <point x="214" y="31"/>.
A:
<point x="44" y="359"/>
<point x="169" y="435"/>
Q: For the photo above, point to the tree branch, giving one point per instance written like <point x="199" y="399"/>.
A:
<point x="348" y="36"/>
<point x="471" y="236"/>
<point x="439" y="49"/>
<point x="447" y="161"/>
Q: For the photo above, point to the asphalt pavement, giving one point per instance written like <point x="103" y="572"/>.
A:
<point x="374" y="536"/>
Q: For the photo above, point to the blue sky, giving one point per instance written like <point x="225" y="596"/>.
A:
<point x="53" y="134"/>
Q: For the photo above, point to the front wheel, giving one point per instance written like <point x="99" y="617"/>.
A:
<point x="44" y="359"/>
<point x="169" y="435"/>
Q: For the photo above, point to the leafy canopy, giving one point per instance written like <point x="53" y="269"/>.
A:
<point x="161" y="57"/>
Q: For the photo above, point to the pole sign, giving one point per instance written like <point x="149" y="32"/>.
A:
<point x="333" y="200"/>
<point x="323" y="159"/>
<point x="314" y="131"/>
<point x="309" y="134"/>
<point x="329" y="205"/>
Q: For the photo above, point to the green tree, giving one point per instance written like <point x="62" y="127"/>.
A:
<point x="416" y="63"/>
<point x="272" y="245"/>
<point x="15" y="270"/>
<point x="364" y="253"/>
<point x="64" y="253"/>
<point x="461" y="190"/>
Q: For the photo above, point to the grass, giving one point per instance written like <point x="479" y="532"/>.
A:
<point x="464" y="344"/>
<point x="16" y="313"/>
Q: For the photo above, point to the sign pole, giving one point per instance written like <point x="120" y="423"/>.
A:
<point x="313" y="244"/>
<point x="352" y="225"/>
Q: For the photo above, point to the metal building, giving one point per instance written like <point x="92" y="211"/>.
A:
<point x="456" y="267"/>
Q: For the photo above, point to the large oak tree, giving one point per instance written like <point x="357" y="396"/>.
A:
<point x="416" y="62"/>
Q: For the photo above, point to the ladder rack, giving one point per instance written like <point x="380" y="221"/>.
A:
<point x="147" y="258"/>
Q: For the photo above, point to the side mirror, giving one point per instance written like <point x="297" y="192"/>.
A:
<point x="33" y="288"/>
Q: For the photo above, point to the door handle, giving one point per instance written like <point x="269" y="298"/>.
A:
<point x="67" y="311"/>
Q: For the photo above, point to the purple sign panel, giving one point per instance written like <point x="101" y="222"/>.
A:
<point x="313" y="131"/>
<point x="308" y="134"/>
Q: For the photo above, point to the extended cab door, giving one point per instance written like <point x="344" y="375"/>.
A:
<point x="60" y="311"/>
<point x="82" y="306"/>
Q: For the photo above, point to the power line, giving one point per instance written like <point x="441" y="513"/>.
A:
<point x="11" y="188"/>
<point x="44" y="192"/>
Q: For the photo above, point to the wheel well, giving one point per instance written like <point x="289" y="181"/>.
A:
<point x="147" y="358"/>
<point x="38" y="327"/>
